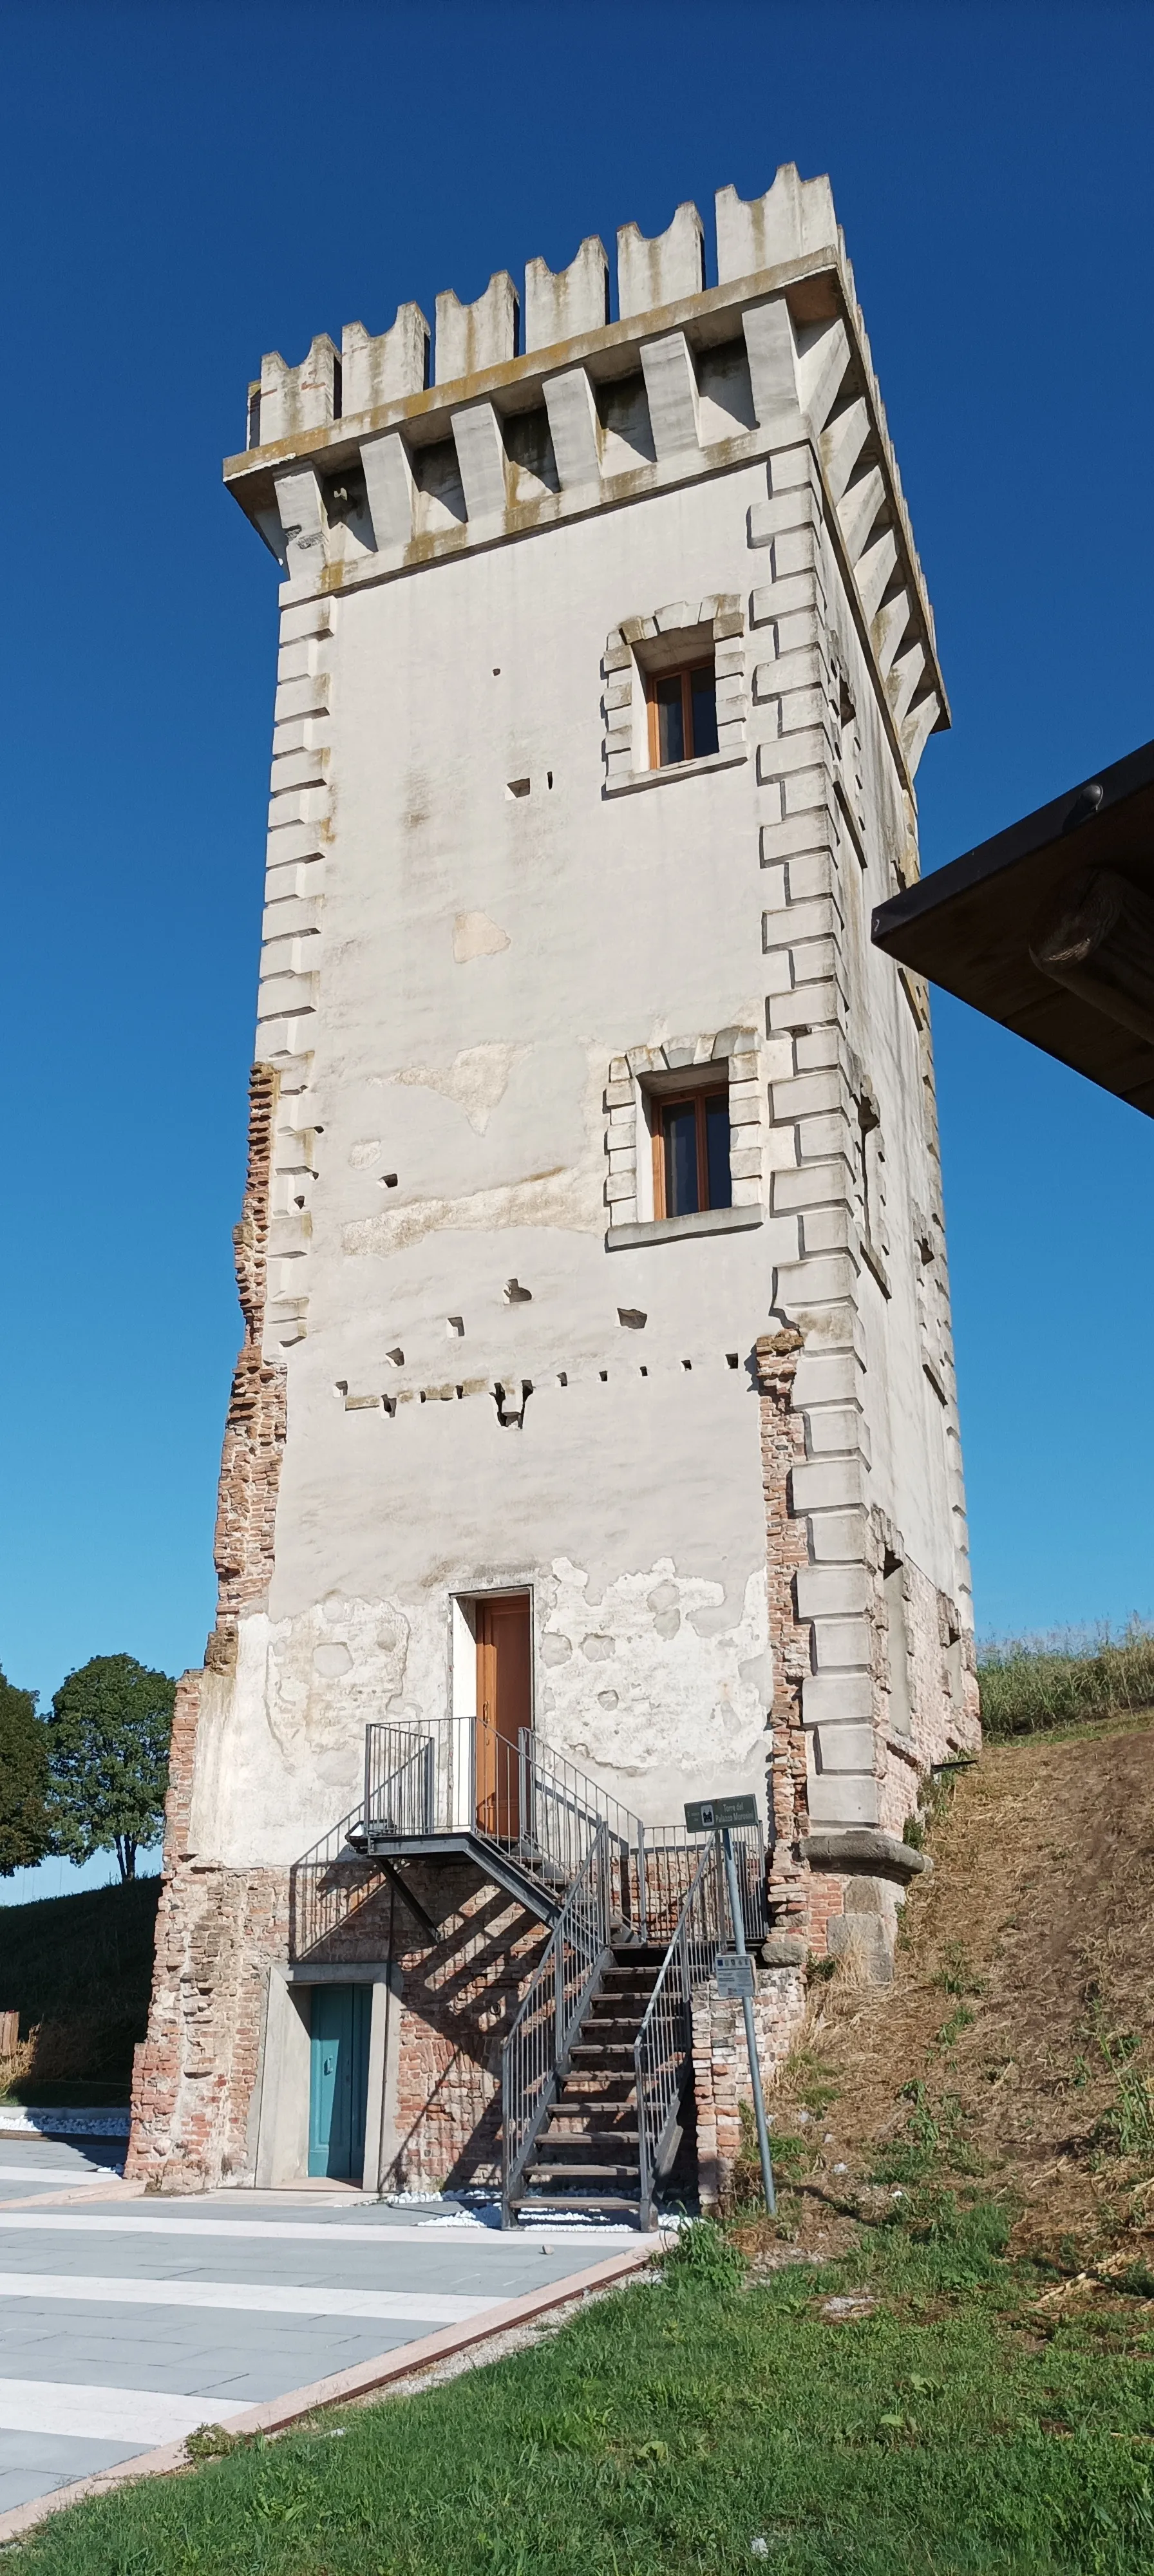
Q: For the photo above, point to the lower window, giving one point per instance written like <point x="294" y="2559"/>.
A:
<point x="691" y="1153"/>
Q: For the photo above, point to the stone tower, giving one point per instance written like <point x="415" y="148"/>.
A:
<point x="597" y="1376"/>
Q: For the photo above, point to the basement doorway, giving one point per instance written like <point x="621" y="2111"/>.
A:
<point x="338" y="2080"/>
<point x="504" y="1706"/>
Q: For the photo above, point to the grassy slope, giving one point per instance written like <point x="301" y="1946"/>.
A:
<point x="1021" y="2015"/>
<point x="973" y="2411"/>
<point x="665" y="2430"/>
<point x="80" y="1969"/>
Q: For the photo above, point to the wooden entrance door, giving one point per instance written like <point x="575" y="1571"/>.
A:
<point x="504" y="1706"/>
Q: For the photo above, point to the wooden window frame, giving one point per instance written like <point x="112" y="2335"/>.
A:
<point x="684" y="672"/>
<point x="697" y="1093"/>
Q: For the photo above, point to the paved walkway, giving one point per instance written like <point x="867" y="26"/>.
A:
<point x="126" y="2323"/>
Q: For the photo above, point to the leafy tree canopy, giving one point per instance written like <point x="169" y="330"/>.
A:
<point x="108" y="1756"/>
<point x="25" y="1830"/>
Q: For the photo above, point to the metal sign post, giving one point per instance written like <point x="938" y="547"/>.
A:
<point x="735" y="1976"/>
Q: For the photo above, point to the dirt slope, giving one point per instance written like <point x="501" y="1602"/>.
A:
<point x="1018" y="2037"/>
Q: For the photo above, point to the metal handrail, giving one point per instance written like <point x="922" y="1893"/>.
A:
<point x="327" y="1884"/>
<point x="551" y="2012"/>
<point x="664" y="2045"/>
<point x="400" y="1780"/>
<point x="451" y="1775"/>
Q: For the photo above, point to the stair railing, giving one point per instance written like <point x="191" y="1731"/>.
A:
<point x="329" y="1883"/>
<point x="563" y="1809"/>
<point x="663" y="2051"/>
<point x="401" y="1781"/>
<point x="536" y="2051"/>
<point x="457" y="1775"/>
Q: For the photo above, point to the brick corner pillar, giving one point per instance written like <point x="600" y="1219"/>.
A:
<point x="787" y="1553"/>
<point x="157" y="2060"/>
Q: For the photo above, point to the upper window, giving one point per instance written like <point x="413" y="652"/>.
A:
<point x="682" y="713"/>
<point x="691" y="1151"/>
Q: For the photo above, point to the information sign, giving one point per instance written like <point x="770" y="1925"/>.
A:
<point x="734" y="1973"/>
<point x="705" y="1814"/>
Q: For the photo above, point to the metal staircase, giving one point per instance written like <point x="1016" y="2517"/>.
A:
<point x="597" y="2065"/>
<point x="597" y="2062"/>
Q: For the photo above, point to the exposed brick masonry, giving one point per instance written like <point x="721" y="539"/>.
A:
<point x="216" y="1929"/>
<point x="218" y="1934"/>
<point x="783" y="1448"/>
<point x="721" y="2067"/>
<point x="255" y="1430"/>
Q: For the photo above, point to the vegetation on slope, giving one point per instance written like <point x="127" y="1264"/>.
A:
<point x="1033" y="1683"/>
<point x="900" y="2412"/>
<point x="1014" y="2050"/>
<point x="79" y="1971"/>
<point x="963" y="2378"/>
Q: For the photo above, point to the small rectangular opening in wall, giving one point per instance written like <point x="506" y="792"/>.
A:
<point x="517" y="787"/>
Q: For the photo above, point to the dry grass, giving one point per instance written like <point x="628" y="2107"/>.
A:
<point x="53" y="2053"/>
<point x="1015" y="2045"/>
<point x="1029" y="1684"/>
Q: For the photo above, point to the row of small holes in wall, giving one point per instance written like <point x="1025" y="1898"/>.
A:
<point x="473" y="1386"/>
<point x="630" y="1317"/>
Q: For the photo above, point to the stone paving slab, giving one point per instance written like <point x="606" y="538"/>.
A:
<point x="340" y="2387"/>
<point x="111" y="2310"/>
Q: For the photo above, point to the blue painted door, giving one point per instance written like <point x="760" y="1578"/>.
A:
<point x="338" y="2080"/>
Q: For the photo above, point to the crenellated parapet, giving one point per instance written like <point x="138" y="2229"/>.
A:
<point x="519" y="411"/>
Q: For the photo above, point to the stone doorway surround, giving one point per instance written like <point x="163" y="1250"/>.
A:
<point x="282" y="2138"/>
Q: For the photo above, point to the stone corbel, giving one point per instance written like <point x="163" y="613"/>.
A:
<point x="482" y="460"/>
<point x="671" y="388"/>
<point x="864" y="1850"/>
<point x="772" y="352"/>
<point x="302" y="518"/>
<point x="389" y="483"/>
<point x="574" y="427"/>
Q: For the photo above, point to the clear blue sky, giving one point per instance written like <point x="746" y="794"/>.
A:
<point x="190" y="186"/>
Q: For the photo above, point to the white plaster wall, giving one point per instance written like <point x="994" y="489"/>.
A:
<point x="478" y="960"/>
<point x="482" y="959"/>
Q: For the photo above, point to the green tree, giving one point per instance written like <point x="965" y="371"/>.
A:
<point x="108" y="1758"/>
<point x="25" y="1829"/>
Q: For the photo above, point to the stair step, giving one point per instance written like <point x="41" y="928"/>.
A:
<point x="598" y="2084"/>
<point x="552" y="2170"/>
<point x="588" y="2138"/>
<point x="629" y="2202"/>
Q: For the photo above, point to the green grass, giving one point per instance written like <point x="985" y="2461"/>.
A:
<point x="667" y="2428"/>
<point x="80" y="1968"/>
<point x="1030" y="1684"/>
